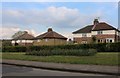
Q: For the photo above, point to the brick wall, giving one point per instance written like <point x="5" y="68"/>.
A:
<point x="82" y="39"/>
<point x="103" y="37"/>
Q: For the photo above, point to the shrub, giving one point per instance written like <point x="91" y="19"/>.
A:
<point x="6" y="43"/>
<point x="66" y="52"/>
<point x="14" y="49"/>
<point x="100" y="47"/>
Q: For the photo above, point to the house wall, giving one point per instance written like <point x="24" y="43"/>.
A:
<point x="22" y="42"/>
<point x="104" y="32"/>
<point x="81" y="40"/>
<point x="50" y="42"/>
<point x="80" y="35"/>
<point x="106" y="35"/>
<point x="118" y="33"/>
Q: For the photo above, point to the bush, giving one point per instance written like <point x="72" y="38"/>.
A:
<point x="66" y="52"/>
<point x="6" y="43"/>
<point x="14" y="49"/>
<point x="101" y="47"/>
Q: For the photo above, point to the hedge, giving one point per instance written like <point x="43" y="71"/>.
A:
<point x="14" y="49"/>
<point x="65" y="52"/>
<point x="102" y="47"/>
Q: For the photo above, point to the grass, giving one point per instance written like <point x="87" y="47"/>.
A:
<point x="99" y="59"/>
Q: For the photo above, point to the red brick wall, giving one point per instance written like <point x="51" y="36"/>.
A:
<point x="104" y="36"/>
<point x="89" y="39"/>
<point x="79" y="40"/>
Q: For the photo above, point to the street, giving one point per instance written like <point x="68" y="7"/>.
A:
<point x="11" y="70"/>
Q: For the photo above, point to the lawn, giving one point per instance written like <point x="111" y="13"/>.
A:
<point x="99" y="59"/>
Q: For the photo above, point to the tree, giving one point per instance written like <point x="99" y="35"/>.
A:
<point x="17" y="34"/>
<point x="94" y="39"/>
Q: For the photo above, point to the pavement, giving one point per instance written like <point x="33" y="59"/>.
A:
<point x="98" y="69"/>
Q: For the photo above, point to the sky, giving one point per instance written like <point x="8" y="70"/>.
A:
<point x="62" y="17"/>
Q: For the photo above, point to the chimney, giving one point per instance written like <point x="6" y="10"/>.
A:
<point x="49" y="29"/>
<point x="96" y="21"/>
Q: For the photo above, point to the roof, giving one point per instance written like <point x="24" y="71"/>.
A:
<point x="103" y="26"/>
<point x="50" y="34"/>
<point x="86" y="29"/>
<point x="96" y="27"/>
<point x="25" y="36"/>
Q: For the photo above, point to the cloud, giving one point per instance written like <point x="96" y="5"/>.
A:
<point x="7" y="32"/>
<point x="57" y="17"/>
<point x="51" y="16"/>
<point x="32" y="32"/>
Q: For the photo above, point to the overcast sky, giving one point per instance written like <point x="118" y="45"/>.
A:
<point x="63" y="17"/>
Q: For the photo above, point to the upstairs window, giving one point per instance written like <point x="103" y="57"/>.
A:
<point x="84" y="35"/>
<point x="99" y="32"/>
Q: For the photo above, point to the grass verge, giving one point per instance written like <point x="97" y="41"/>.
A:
<point x="98" y="59"/>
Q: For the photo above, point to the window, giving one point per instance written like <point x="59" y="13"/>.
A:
<point x="38" y="40"/>
<point x="100" y="40"/>
<point x="84" y="42"/>
<point x="84" y="35"/>
<point x="46" y="40"/>
<point x="99" y="32"/>
<point x="109" y="40"/>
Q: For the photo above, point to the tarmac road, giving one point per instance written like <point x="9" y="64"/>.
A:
<point x="11" y="70"/>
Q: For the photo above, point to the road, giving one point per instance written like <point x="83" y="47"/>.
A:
<point x="11" y="70"/>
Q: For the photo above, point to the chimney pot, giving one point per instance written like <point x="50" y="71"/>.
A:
<point x="49" y="29"/>
<point x="96" y="21"/>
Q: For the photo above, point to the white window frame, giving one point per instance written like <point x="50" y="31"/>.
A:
<point x="84" y="35"/>
<point x="108" y="40"/>
<point x="46" y="40"/>
<point x="38" y="40"/>
<point x="99" y="32"/>
<point x="101" y="40"/>
<point x="84" y="42"/>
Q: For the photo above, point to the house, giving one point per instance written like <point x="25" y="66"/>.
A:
<point x="99" y="32"/>
<point x="50" y="38"/>
<point x="23" y="40"/>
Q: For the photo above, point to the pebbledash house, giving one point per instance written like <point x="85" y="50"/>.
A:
<point x="99" y="32"/>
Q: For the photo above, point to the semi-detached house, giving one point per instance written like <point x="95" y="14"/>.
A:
<point x="100" y="32"/>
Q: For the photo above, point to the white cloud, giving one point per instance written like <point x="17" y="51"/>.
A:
<point x="7" y="32"/>
<point x="51" y="16"/>
<point x="57" y="17"/>
<point x="32" y="32"/>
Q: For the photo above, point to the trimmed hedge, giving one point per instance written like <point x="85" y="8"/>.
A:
<point x="102" y="47"/>
<point x="65" y="52"/>
<point x="14" y="49"/>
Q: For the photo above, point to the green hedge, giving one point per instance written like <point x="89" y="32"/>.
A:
<point x="110" y="47"/>
<point x="101" y="47"/>
<point x="66" y="52"/>
<point x="14" y="49"/>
